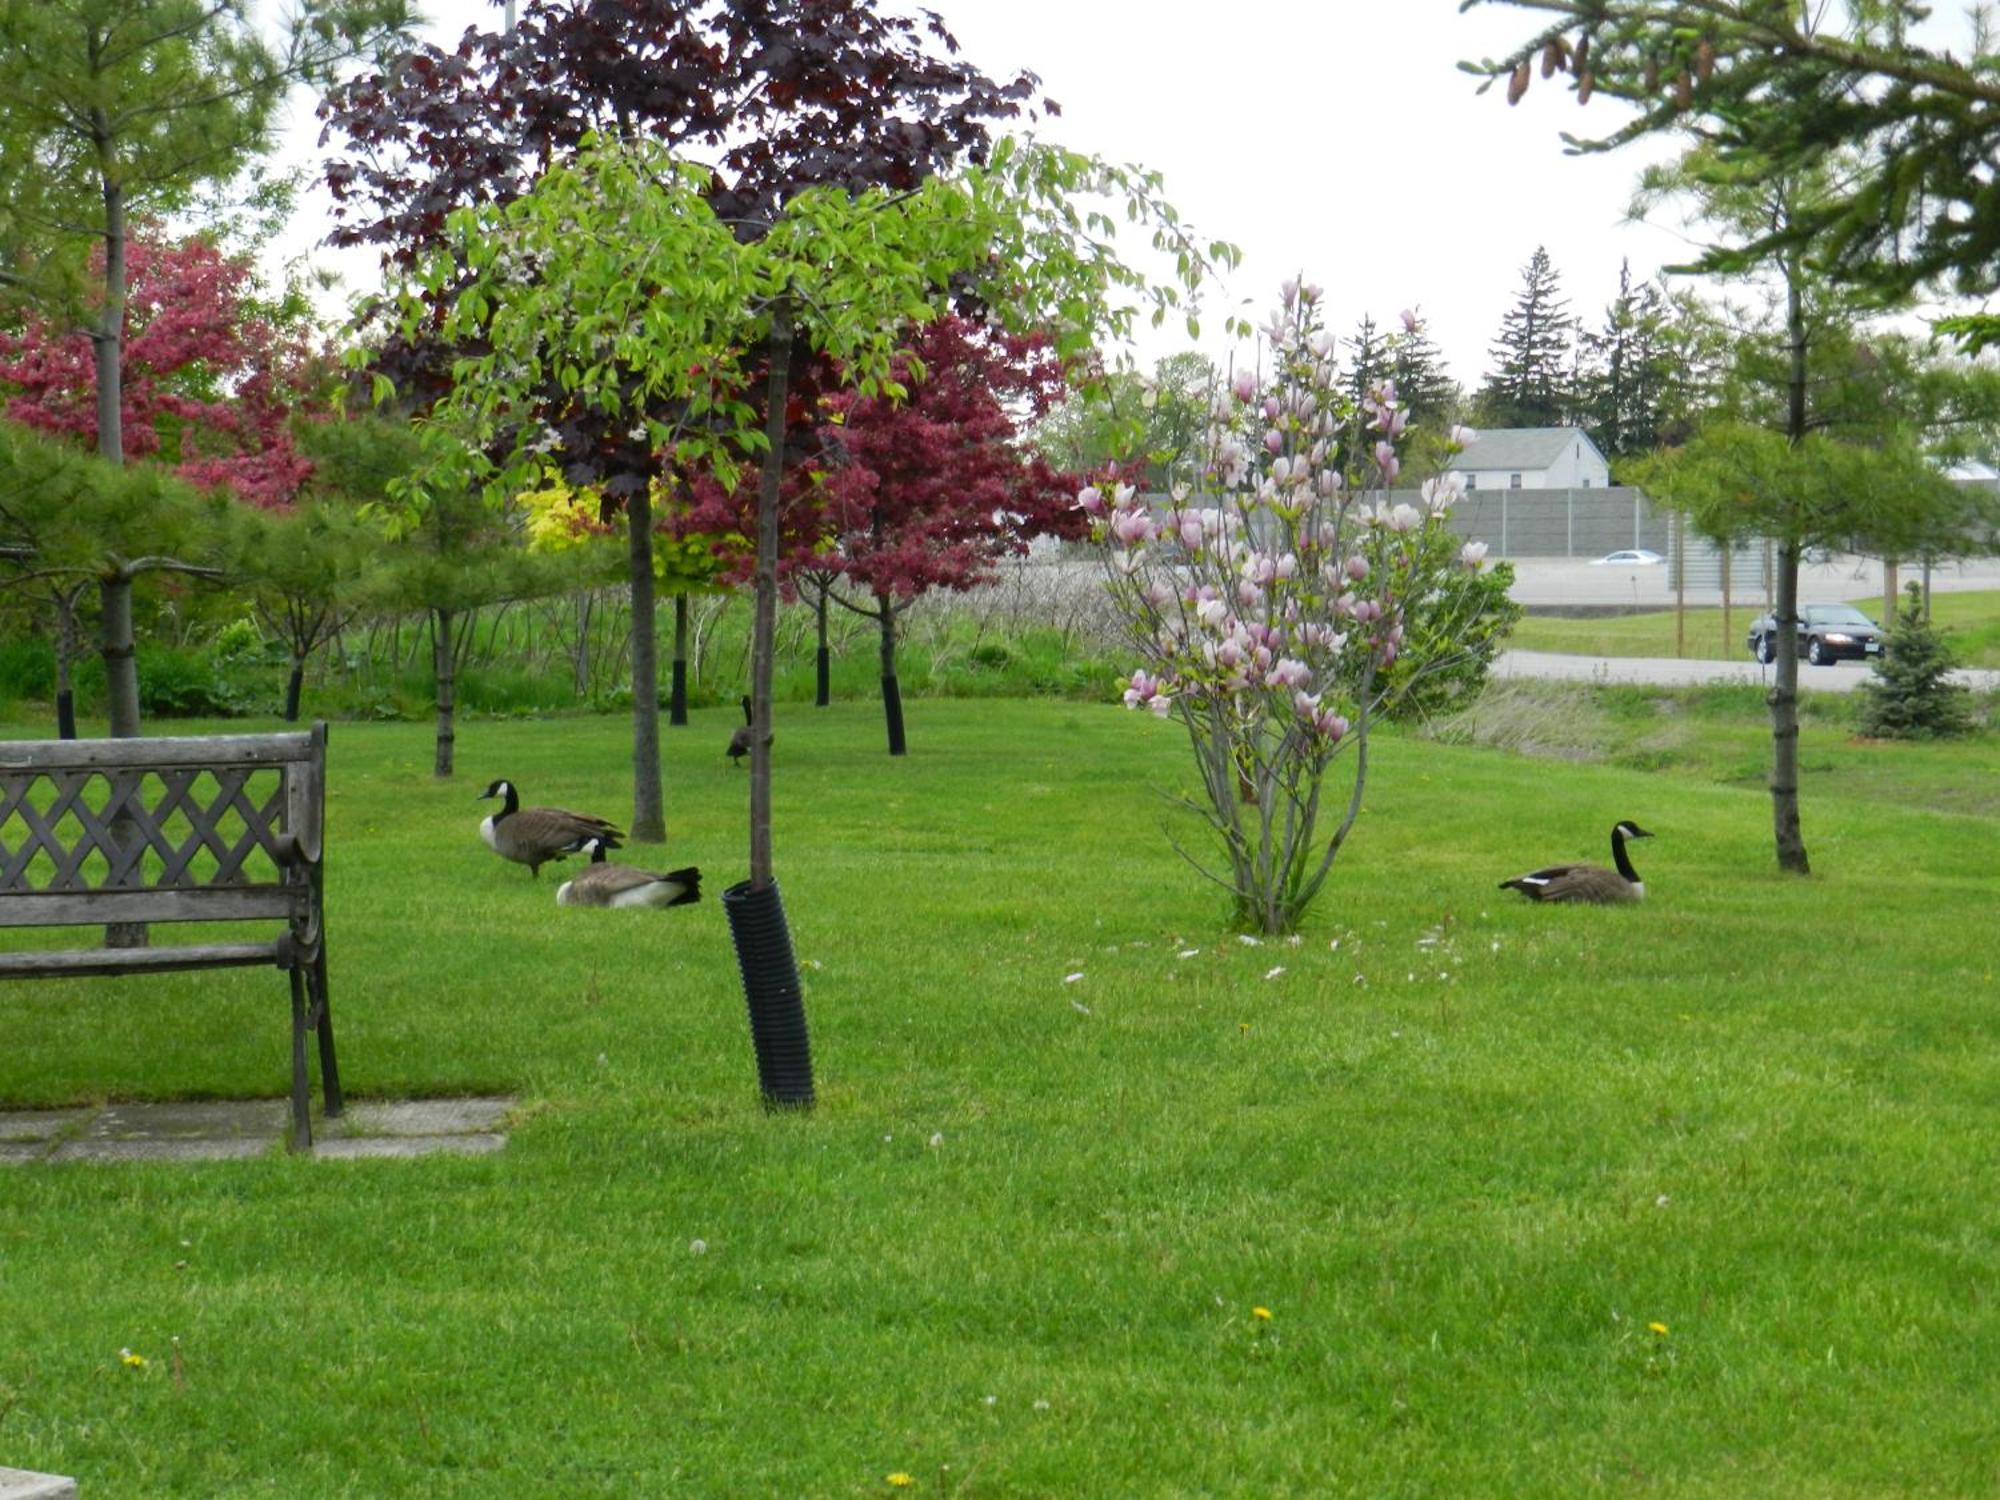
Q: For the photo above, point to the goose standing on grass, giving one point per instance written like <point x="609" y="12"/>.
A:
<point x="739" y="742"/>
<point x="600" y="883"/>
<point x="533" y="836"/>
<point x="1590" y="883"/>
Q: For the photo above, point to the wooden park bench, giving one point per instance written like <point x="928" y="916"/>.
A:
<point x="227" y="828"/>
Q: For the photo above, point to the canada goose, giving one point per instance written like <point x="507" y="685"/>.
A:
<point x="739" y="742"/>
<point x="603" y="884"/>
<point x="533" y="836"/>
<point x="1591" y="883"/>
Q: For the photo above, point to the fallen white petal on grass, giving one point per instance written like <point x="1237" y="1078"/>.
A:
<point x="1073" y="978"/>
<point x="1079" y="1007"/>
<point x="1187" y="953"/>
<point x="1248" y="941"/>
<point x="1274" y="972"/>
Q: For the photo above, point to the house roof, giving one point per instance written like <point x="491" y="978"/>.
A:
<point x="1521" y="447"/>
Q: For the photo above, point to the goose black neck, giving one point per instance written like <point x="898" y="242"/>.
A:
<point x="1624" y="860"/>
<point x="510" y="803"/>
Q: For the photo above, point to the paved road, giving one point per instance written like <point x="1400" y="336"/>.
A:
<point x="1667" y="671"/>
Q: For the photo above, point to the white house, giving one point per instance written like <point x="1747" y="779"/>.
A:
<point x="1533" y="458"/>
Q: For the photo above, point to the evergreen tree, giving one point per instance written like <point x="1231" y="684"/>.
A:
<point x="1910" y="696"/>
<point x="1530" y="383"/>
<point x="1428" y="393"/>
<point x="1626" y="384"/>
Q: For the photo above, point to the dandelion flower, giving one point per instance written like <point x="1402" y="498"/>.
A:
<point x="130" y="1360"/>
<point x="898" y="1479"/>
<point x="1659" y="1328"/>
<point x="1261" y="1314"/>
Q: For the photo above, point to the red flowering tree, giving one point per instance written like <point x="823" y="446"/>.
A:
<point x="932" y="491"/>
<point x="208" y="377"/>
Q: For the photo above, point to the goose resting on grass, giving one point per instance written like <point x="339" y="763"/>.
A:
<point x="602" y="884"/>
<point x="533" y="836"/>
<point x="1588" y="883"/>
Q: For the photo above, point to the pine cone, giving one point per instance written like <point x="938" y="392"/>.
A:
<point x="1518" y="84"/>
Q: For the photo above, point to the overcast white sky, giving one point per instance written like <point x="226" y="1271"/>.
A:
<point x="1333" y="137"/>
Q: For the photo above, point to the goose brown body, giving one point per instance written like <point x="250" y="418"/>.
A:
<point x="533" y="836"/>
<point x="1590" y="884"/>
<point x="601" y="883"/>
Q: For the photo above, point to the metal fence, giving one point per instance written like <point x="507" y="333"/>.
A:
<point x="1560" y="523"/>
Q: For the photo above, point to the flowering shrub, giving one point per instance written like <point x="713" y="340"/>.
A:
<point x="1271" y="601"/>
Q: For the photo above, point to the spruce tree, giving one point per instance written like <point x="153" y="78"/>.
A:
<point x="1428" y="393"/>
<point x="1910" y="696"/>
<point x="1627" y="379"/>
<point x="1530" y="382"/>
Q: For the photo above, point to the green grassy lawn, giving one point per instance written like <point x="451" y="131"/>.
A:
<point x="1972" y="618"/>
<point x="1465" y="1151"/>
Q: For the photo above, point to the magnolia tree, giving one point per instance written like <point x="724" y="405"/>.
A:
<point x="1269" y="600"/>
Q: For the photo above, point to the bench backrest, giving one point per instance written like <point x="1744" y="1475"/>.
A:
<point x="211" y="828"/>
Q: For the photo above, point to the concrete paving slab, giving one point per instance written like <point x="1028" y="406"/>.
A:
<point x="367" y="1117"/>
<point x="185" y="1148"/>
<point x="17" y="1153"/>
<point x="208" y="1119"/>
<point x="39" y="1124"/>
<point x="21" y="1484"/>
<point x="355" y="1147"/>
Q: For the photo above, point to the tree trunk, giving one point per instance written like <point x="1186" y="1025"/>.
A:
<point x="892" y="692"/>
<point x="649" y="815"/>
<point x="108" y="338"/>
<point x="677" y="705"/>
<point x="295" y="684"/>
<point x="66" y="649"/>
<point x="580" y="662"/>
<point x="121" y="687"/>
<point x="444" y="667"/>
<point x="1890" y="590"/>
<point x="121" y="671"/>
<point x="1727" y="557"/>
<point x="764" y="624"/>
<point x="822" y="660"/>
<point x="1784" y="697"/>
<point x="1784" y="701"/>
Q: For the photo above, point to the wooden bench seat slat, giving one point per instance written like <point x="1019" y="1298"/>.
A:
<point x="203" y="752"/>
<point x="85" y="963"/>
<point x="246" y="903"/>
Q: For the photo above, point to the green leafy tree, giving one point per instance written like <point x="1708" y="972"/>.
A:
<point x="1777" y="86"/>
<point x="1911" y="695"/>
<point x="832" y="273"/>
<point x="1533" y="354"/>
<point x="1146" y="425"/>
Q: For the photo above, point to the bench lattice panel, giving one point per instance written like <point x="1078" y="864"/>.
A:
<point x="136" y="817"/>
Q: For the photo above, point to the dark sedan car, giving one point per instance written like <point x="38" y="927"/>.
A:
<point x="1827" y="632"/>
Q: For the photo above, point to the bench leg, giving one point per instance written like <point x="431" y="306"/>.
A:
<point x="329" y="1070"/>
<point x="301" y="1096"/>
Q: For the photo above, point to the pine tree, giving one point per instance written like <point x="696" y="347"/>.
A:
<point x="1428" y="393"/>
<point x="1628" y="381"/>
<point x="1530" y="383"/>
<point x="1910" y="696"/>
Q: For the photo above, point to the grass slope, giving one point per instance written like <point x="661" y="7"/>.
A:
<point x="1462" y="1149"/>
<point x="1972" y="618"/>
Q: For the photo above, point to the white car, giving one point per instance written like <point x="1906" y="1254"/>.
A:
<point x="1632" y="557"/>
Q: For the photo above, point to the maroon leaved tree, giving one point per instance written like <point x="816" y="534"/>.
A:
<point x="933" y="491"/>
<point x="207" y="382"/>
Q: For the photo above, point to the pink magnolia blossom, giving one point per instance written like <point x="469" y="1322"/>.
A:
<point x="1289" y="671"/>
<point x="1212" y="612"/>
<point x="1243" y="386"/>
<point x="1091" y="499"/>
<point x="1143" y="688"/>
<point x="1411" y="322"/>
<point x="1161" y="705"/>
<point x="1274" y="441"/>
<point x="1462" y="437"/>
<point x="1132" y="527"/>
<point x="1357" y="567"/>
<point x="1472" y="555"/>
<point x="1387" y="462"/>
<point x="1403" y="518"/>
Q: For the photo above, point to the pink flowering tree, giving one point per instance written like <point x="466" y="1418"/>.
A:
<point x="1270" y="599"/>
